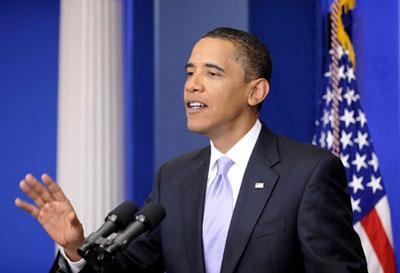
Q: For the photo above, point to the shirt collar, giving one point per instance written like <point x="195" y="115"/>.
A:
<point x="241" y="151"/>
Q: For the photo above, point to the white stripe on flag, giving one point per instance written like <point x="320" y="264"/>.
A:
<point x="383" y="210"/>
<point x="372" y="260"/>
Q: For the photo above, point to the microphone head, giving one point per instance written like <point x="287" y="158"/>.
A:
<point x="123" y="214"/>
<point x="153" y="212"/>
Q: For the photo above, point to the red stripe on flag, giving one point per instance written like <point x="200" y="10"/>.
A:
<point x="379" y="240"/>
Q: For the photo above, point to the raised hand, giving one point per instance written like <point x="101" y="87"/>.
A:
<point x="54" y="212"/>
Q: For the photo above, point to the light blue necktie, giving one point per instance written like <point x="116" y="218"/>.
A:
<point x="218" y="210"/>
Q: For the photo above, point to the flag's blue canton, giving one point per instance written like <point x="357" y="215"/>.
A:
<point x="357" y="153"/>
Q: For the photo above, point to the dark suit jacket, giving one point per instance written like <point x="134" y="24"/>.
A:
<point x="301" y="221"/>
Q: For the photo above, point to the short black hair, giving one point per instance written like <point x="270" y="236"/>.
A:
<point x="252" y="52"/>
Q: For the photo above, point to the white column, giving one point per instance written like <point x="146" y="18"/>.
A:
<point x="90" y="165"/>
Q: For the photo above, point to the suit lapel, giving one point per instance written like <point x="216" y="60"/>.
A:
<point x="252" y="198"/>
<point x="192" y="206"/>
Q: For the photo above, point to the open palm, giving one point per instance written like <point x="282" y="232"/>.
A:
<point x="53" y="211"/>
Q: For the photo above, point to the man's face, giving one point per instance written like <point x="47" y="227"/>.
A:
<point x="215" y="91"/>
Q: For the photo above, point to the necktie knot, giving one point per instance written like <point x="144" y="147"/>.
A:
<point x="223" y="165"/>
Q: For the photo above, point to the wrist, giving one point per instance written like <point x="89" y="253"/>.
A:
<point x="72" y="254"/>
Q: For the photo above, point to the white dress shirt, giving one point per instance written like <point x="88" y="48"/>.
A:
<point x="240" y="154"/>
<point x="75" y="266"/>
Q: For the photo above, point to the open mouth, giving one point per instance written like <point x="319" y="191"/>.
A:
<point x="195" y="105"/>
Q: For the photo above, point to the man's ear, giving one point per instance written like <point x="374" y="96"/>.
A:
<point x="259" y="91"/>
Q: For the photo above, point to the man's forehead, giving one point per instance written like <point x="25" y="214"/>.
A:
<point x="211" y="51"/>
<point x="213" y="45"/>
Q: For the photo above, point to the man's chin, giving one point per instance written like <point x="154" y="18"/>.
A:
<point x="195" y="128"/>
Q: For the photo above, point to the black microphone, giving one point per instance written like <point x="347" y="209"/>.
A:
<point x="116" y="220"/>
<point x="146" y="219"/>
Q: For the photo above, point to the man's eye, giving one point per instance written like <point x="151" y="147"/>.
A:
<point x="214" y="74"/>
<point x="189" y="73"/>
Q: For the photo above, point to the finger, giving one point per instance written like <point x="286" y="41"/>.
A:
<point x="38" y="187"/>
<point x="55" y="190"/>
<point x="34" y="211"/>
<point x="24" y="186"/>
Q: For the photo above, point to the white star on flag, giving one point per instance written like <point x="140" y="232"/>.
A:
<point x="340" y="52"/>
<point x="374" y="162"/>
<point x="350" y="74"/>
<point x="345" y="160"/>
<point x="322" y="140"/>
<point x="359" y="162"/>
<point x="329" y="140"/>
<point x="375" y="183"/>
<point x="356" y="184"/>
<point x="328" y="74"/>
<point x="348" y="117"/>
<point x="342" y="75"/>
<point x="340" y="97"/>
<point x="325" y="118"/>
<point x="355" y="204"/>
<point x="361" y="140"/>
<point x="345" y="139"/>
<point x="328" y="96"/>
<point x="350" y="96"/>
<point x="362" y="119"/>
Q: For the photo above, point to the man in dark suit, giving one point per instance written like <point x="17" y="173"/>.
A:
<point x="274" y="205"/>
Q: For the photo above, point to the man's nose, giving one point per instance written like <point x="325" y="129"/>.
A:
<point x="194" y="84"/>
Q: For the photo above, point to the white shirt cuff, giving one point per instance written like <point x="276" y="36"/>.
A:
<point x="75" y="266"/>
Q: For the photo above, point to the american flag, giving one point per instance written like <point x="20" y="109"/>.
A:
<point x="341" y="127"/>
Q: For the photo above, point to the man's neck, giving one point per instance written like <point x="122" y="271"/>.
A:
<point x="225" y="141"/>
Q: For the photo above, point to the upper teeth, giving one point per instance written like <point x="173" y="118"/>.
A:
<point x="196" y="104"/>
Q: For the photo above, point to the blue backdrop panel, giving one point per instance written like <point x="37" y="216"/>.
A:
<point x="376" y="41"/>
<point x="28" y="115"/>
<point x="139" y="106"/>
<point x="292" y="31"/>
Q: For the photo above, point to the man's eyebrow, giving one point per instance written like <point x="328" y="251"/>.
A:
<point x="210" y="65"/>
<point x="189" y="65"/>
